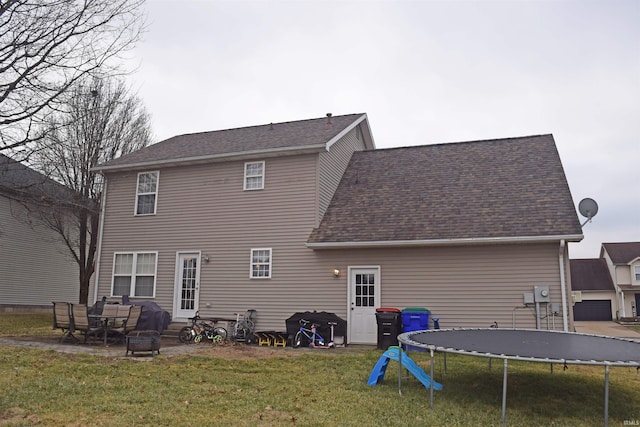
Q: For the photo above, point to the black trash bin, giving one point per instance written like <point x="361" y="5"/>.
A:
<point x="389" y="326"/>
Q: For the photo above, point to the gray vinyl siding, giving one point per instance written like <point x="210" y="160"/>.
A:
<point x="204" y="208"/>
<point x="36" y="269"/>
<point x="465" y="286"/>
<point x="332" y="165"/>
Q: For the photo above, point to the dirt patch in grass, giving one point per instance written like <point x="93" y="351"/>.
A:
<point x="233" y="350"/>
<point x="17" y="416"/>
<point x="171" y="346"/>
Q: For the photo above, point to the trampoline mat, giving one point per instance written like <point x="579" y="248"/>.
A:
<point x="529" y="344"/>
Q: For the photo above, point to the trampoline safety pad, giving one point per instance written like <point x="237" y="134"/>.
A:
<point x="530" y="345"/>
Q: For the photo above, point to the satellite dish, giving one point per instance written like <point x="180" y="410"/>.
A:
<point x="588" y="208"/>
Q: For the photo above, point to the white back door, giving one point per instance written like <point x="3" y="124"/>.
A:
<point x="364" y="297"/>
<point x="187" y="286"/>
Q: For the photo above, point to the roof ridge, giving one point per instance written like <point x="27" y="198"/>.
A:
<point x="260" y="125"/>
<point x="622" y="243"/>
<point x="478" y="141"/>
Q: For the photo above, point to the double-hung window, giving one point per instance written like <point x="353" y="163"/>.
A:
<point x="147" y="193"/>
<point x="636" y="274"/>
<point x="254" y="176"/>
<point x="260" y="263"/>
<point x="134" y="273"/>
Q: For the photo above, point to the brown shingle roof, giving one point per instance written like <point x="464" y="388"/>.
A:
<point x="590" y="275"/>
<point x="313" y="133"/>
<point x="491" y="189"/>
<point x="622" y="253"/>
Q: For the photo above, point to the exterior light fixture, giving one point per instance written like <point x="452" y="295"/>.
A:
<point x="336" y="272"/>
<point x="205" y="257"/>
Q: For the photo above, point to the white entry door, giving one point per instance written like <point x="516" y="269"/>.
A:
<point x="364" y="297"/>
<point x="187" y="285"/>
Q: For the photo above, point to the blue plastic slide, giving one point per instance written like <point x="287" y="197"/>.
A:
<point x="393" y="352"/>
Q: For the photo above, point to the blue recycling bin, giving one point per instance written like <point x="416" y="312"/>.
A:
<point x="415" y="319"/>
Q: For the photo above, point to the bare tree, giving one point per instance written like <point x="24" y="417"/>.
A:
<point x="47" y="46"/>
<point x="102" y="121"/>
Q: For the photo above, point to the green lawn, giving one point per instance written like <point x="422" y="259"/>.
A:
<point x="327" y="388"/>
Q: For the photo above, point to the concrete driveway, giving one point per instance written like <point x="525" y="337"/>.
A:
<point x="610" y="329"/>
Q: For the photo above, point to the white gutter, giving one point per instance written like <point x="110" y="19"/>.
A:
<point x="100" y="232"/>
<point x="443" y="242"/>
<point x="563" y="287"/>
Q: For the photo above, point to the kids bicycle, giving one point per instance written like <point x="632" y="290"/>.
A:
<point x="243" y="327"/>
<point x="309" y="337"/>
<point x="202" y="329"/>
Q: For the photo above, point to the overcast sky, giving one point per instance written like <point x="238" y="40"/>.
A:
<point x="424" y="72"/>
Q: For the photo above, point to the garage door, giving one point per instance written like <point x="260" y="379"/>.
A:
<point x="592" y="310"/>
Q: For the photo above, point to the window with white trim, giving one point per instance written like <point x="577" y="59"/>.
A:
<point x="636" y="274"/>
<point x="254" y="176"/>
<point x="147" y="193"/>
<point x="260" y="263"/>
<point x="134" y="274"/>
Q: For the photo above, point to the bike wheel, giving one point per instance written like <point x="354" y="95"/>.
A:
<point x="299" y="340"/>
<point x="221" y="332"/>
<point x="186" y="335"/>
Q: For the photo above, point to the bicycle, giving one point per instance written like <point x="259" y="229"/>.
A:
<point x="202" y="329"/>
<point x="244" y="327"/>
<point x="310" y="336"/>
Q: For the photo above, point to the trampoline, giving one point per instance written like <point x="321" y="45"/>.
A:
<point x="528" y="345"/>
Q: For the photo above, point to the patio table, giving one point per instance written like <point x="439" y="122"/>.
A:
<point x="106" y="320"/>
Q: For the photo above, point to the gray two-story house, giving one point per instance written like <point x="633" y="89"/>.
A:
<point x="308" y="215"/>
<point x="36" y="267"/>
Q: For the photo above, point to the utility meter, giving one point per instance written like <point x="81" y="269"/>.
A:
<point x="541" y="294"/>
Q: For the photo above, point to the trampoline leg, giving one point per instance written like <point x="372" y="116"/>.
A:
<point x="445" y="364"/>
<point x="606" y="396"/>
<point x="432" y="381"/>
<point x="504" y="394"/>
<point x="400" y="370"/>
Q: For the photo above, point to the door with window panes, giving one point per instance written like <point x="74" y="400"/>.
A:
<point x="364" y="290"/>
<point x="187" y="285"/>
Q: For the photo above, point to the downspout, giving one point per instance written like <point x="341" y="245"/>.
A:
<point x="563" y="287"/>
<point x="99" y="249"/>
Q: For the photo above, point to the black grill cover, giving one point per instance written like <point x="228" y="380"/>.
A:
<point x="152" y="317"/>
<point x="320" y="318"/>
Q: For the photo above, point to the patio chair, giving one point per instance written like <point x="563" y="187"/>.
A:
<point x="62" y="320"/>
<point x="129" y="324"/>
<point x="132" y="321"/>
<point x="123" y="311"/>
<point x="109" y="310"/>
<point x="81" y="321"/>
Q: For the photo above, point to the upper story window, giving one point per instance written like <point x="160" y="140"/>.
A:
<point x="260" y="263"/>
<point x="636" y="274"/>
<point x="134" y="274"/>
<point x="254" y="175"/>
<point x="147" y="193"/>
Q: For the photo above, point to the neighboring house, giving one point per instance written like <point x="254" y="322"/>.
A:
<point x="623" y="262"/>
<point x="593" y="290"/>
<point x="35" y="265"/>
<point x="308" y="215"/>
<point x="608" y="287"/>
